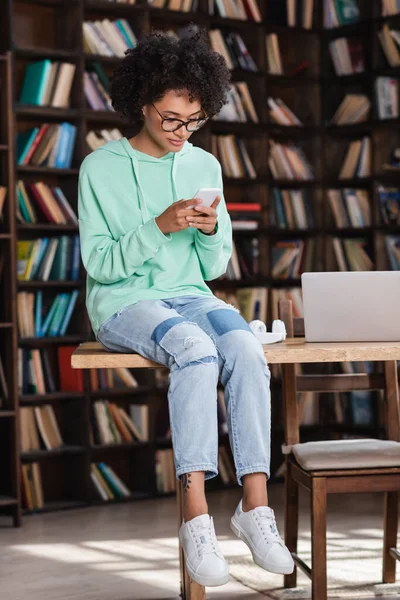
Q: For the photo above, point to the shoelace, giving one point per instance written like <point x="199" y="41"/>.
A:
<point x="204" y="538"/>
<point x="267" y="525"/>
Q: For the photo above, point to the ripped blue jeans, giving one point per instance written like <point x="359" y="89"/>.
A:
<point x="201" y="339"/>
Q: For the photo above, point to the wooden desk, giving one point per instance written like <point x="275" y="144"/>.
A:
<point x="91" y="355"/>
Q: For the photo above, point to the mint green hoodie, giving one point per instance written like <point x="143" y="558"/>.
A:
<point x="126" y="256"/>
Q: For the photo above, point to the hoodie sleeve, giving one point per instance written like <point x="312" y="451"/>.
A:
<point x="107" y="260"/>
<point x="214" y="251"/>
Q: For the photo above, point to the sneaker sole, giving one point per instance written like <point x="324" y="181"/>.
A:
<point x="238" y="531"/>
<point x="208" y="582"/>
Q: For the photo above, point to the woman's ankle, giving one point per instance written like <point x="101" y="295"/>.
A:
<point x="194" y="499"/>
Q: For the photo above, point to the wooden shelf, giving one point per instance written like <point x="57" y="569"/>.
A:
<point x="43" y="454"/>
<point x="8" y="501"/>
<point x="6" y="413"/>
<point x="5" y="236"/>
<point x="51" y="53"/>
<point x="34" y="342"/>
<point x="122" y="392"/>
<point x="43" y="171"/>
<point x="3" y="148"/>
<point x="5" y="325"/>
<point x="37" y="285"/>
<point x="47" y="227"/>
<point x="29" y="399"/>
<point x="46" y="112"/>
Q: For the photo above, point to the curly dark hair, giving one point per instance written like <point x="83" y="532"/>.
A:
<point x="161" y="62"/>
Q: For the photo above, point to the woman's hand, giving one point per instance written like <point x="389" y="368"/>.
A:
<point x="206" y="221"/>
<point x="175" y="217"/>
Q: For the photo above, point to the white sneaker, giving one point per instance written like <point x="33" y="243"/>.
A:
<point x="257" y="528"/>
<point x="205" y="562"/>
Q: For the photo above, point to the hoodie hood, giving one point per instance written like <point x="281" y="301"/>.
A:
<point x="122" y="147"/>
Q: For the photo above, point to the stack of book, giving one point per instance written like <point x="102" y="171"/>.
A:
<point x="274" y="59"/>
<point x="291" y="258"/>
<point x="351" y="255"/>
<point x="39" y="202"/>
<point x="252" y="302"/>
<point x="244" y="262"/>
<point x="390" y="7"/>
<point x="97" y="139"/>
<point x="357" y="162"/>
<point x="281" y="113"/>
<point x="244" y="215"/>
<point x="347" y="56"/>
<point x="240" y="107"/>
<point x="350" y="208"/>
<point x="354" y="108"/>
<point x="289" y="162"/>
<point x="96" y="86"/>
<point x="32" y="491"/>
<point x="165" y="471"/>
<point x="340" y="12"/>
<point x="291" y="209"/>
<point x="108" y="38"/>
<point x="392" y="243"/>
<point x="108" y="485"/>
<point x="182" y="5"/>
<point x="291" y="13"/>
<point x="40" y="419"/>
<point x="389" y="38"/>
<point x="34" y="321"/>
<point x="387" y="97"/>
<point x="389" y="204"/>
<point x="48" y="259"/>
<point x="233" y="156"/>
<point x="106" y="379"/>
<point x="246" y="10"/>
<point x="35" y="374"/>
<point x="233" y="49"/>
<point x="47" y="83"/>
<point x="111" y="424"/>
<point x="293" y="294"/>
<point x="48" y="145"/>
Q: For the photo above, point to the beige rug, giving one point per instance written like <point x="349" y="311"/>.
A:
<point x="354" y="569"/>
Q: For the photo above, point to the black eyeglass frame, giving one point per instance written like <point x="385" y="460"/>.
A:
<point x="182" y="123"/>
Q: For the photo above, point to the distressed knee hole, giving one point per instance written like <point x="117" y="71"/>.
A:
<point x="185" y="342"/>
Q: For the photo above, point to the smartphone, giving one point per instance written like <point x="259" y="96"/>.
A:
<point x="207" y="195"/>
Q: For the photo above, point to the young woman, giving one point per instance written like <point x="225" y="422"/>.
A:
<point x="148" y="249"/>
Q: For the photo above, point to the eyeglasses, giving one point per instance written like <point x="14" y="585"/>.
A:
<point x="168" y="124"/>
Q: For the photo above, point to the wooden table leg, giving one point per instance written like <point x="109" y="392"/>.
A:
<point x="390" y="536"/>
<point x="318" y="539"/>
<point x="190" y="590"/>
<point x="291" y="519"/>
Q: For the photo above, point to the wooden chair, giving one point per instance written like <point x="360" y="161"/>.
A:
<point x="325" y="478"/>
<point x="91" y="355"/>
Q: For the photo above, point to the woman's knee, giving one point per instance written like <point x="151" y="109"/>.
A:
<point x="188" y="344"/>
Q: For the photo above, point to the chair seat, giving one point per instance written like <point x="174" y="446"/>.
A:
<point x="347" y="454"/>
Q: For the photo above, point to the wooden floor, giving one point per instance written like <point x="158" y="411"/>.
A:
<point x="127" y="552"/>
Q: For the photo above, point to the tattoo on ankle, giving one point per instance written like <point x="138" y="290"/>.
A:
<point x="186" y="481"/>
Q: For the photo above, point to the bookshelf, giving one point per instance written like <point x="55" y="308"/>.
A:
<point x="9" y="431"/>
<point x="308" y="84"/>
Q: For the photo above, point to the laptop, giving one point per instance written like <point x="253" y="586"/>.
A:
<point x="355" y="306"/>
